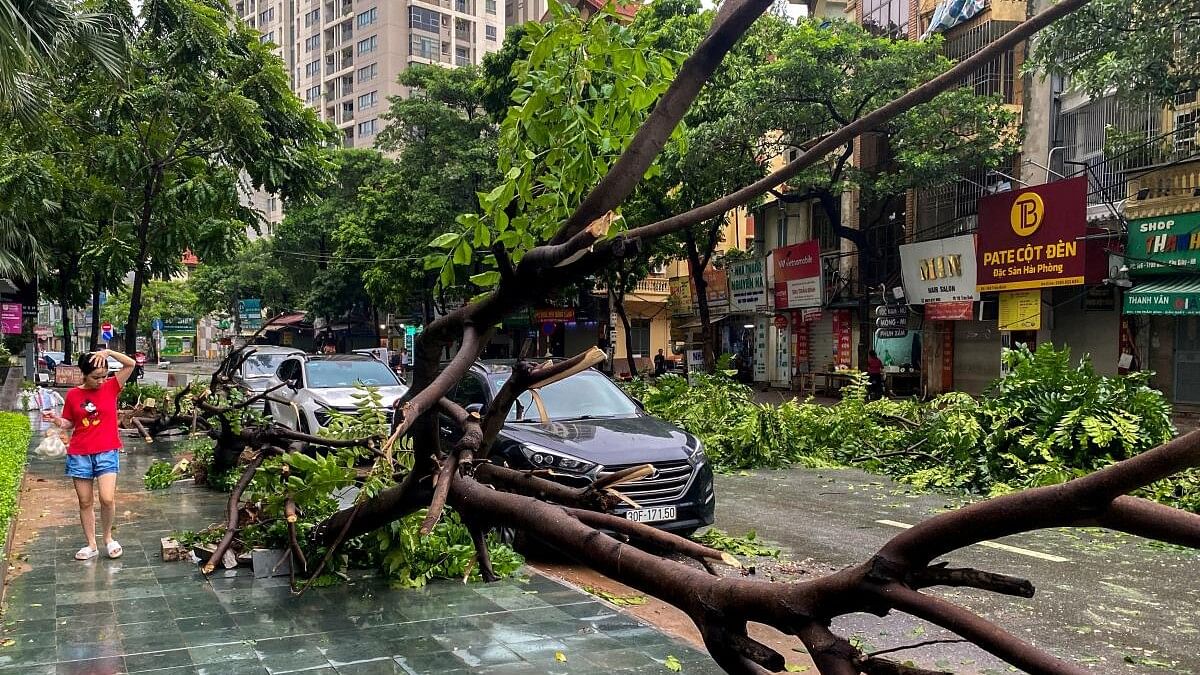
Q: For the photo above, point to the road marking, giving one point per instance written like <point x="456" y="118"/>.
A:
<point x="993" y="544"/>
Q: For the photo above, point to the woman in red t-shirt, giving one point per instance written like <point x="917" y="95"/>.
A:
<point x="94" y="452"/>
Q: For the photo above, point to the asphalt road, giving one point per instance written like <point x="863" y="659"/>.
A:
<point x="1109" y="601"/>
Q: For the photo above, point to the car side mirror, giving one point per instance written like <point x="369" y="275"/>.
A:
<point x="477" y="408"/>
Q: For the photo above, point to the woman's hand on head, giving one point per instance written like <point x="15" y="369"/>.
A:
<point x="99" y="359"/>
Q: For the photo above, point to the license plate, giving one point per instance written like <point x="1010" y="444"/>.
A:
<point x="651" y="515"/>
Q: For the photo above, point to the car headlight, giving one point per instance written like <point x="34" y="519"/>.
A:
<point x="545" y="458"/>
<point x="696" y="450"/>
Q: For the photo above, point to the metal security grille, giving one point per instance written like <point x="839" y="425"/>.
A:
<point x="951" y="209"/>
<point x="1087" y="133"/>
<point x="997" y="76"/>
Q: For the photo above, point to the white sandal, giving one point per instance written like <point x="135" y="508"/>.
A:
<point x="114" y="549"/>
<point x="87" y="553"/>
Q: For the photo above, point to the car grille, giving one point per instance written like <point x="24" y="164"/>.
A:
<point x="669" y="482"/>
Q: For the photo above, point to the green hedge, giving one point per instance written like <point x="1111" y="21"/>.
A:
<point x="15" y="434"/>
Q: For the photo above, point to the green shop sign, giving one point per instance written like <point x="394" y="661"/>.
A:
<point x="1179" y="296"/>
<point x="1165" y="245"/>
<point x="178" y="337"/>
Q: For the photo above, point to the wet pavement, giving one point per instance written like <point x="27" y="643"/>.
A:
<point x="137" y="614"/>
<point x="1108" y="601"/>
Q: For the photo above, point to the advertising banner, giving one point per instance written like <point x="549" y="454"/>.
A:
<point x="178" y="337"/>
<point x="681" y="296"/>
<point x="1032" y="238"/>
<point x="10" y="318"/>
<point x="748" y="285"/>
<point x="942" y="270"/>
<point x="798" y="275"/>
<point x="949" y="311"/>
<point x="761" y="326"/>
<point x="716" y="288"/>
<point x="1021" y="310"/>
<point x="1166" y="245"/>
<point x="843" y="334"/>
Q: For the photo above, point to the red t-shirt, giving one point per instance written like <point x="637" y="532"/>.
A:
<point x="874" y="365"/>
<point x="94" y="414"/>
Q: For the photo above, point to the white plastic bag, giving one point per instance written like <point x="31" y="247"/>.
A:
<point x="52" y="446"/>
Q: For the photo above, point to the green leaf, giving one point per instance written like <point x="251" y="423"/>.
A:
<point x="446" y="240"/>
<point x="672" y="664"/>
<point x="486" y="279"/>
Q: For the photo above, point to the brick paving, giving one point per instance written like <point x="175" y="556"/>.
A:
<point x="138" y="614"/>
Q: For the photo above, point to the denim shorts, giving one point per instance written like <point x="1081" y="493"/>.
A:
<point x="93" y="466"/>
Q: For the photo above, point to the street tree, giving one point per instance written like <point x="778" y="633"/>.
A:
<point x="255" y="271"/>
<point x="161" y="299"/>
<point x="203" y="114"/>
<point x="1134" y="48"/>
<point x="575" y="520"/>
<point x="722" y="141"/>
<point x="444" y="144"/>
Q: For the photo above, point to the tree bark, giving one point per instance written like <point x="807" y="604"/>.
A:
<point x="149" y="191"/>
<point x="94" y="338"/>
<point x="696" y="271"/>
<point x="618" y="297"/>
<point x="65" y="275"/>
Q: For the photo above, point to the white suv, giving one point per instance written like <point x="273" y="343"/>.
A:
<point x="316" y="384"/>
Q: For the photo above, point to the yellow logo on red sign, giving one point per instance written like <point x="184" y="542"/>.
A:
<point x="1027" y="214"/>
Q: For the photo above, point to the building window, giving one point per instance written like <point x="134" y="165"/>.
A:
<point x="368" y="45"/>
<point x="312" y="68"/>
<point x="368" y="100"/>
<point x="639" y="337"/>
<point x="489" y="6"/>
<point x="886" y="17"/>
<point x="489" y="32"/>
<point x="266" y="16"/>
<point x="425" y="19"/>
<point x="462" y="56"/>
<point x="267" y="37"/>
<point x="366" y="128"/>
<point x="463" y="6"/>
<point x="272" y="204"/>
<point x="368" y="73"/>
<point x="312" y="43"/>
<point x="312" y="94"/>
<point x="312" y="18"/>
<point x="367" y="18"/>
<point x="424" y="47"/>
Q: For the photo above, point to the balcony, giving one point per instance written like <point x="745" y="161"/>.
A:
<point x="1166" y="191"/>
<point x="650" y="289"/>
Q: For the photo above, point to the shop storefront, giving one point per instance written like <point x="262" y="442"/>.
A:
<point x="1163" y="257"/>
<point x="940" y="276"/>
<point x="797" y="340"/>
<point x="749" y="313"/>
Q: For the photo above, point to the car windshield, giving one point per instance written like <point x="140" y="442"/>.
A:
<point x="262" y="365"/>
<point x="586" y="395"/>
<point x="329" y="374"/>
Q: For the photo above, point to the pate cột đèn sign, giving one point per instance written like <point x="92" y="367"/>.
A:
<point x="1033" y="238"/>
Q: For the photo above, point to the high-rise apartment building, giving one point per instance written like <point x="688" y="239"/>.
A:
<point x="517" y="12"/>
<point x="348" y="53"/>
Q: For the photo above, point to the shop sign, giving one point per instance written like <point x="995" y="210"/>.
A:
<point x="178" y="337"/>
<point x="1165" y="245"/>
<point x="892" y="311"/>
<point x="891" y="322"/>
<point x="681" y="295"/>
<point x="798" y="275"/>
<point x="950" y="311"/>
<point x="802" y="343"/>
<point x="10" y="318"/>
<point x="886" y="333"/>
<point x="1021" y="310"/>
<point x="554" y="314"/>
<point x="1032" y="238"/>
<point x="843" y="336"/>
<point x="781" y="321"/>
<point x="716" y="289"/>
<point x="761" y="326"/>
<point x="942" y="270"/>
<point x="810" y="315"/>
<point x="748" y="285"/>
<point x="948" y="360"/>
<point x="250" y="314"/>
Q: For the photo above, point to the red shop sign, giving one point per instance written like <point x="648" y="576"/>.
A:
<point x="1033" y="238"/>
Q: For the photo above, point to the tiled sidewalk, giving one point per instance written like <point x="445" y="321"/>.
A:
<point x="138" y="614"/>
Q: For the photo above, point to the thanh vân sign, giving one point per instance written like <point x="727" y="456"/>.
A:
<point x="1033" y="237"/>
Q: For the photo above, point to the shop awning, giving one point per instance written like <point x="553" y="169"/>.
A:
<point x="713" y="318"/>
<point x="1174" y="295"/>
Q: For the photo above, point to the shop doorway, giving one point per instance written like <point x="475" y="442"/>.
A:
<point x="1187" y="359"/>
